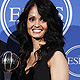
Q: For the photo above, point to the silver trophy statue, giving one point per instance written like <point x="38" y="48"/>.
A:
<point x="9" y="61"/>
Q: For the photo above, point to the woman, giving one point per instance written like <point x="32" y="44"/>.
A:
<point x="40" y="35"/>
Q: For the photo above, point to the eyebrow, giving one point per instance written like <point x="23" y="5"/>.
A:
<point x="31" y="16"/>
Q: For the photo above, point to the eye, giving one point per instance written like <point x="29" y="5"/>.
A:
<point x="43" y="20"/>
<point x="31" y="19"/>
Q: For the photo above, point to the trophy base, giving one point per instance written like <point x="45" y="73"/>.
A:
<point x="7" y="75"/>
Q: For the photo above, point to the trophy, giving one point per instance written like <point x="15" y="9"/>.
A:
<point x="8" y="62"/>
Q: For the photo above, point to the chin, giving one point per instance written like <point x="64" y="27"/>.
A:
<point x="37" y="38"/>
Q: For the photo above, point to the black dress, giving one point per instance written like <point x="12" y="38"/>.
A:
<point x="41" y="71"/>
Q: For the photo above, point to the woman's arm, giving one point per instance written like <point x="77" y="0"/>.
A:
<point x="58" y="67"/>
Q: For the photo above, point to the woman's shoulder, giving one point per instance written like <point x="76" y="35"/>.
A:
<point x="58" y="65"/>
<point x="52" y="50"/>
<point x="57" y="58"/>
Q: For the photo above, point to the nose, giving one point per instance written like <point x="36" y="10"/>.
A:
<point x="37" y="23"/>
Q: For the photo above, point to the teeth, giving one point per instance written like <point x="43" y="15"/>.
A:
<point x="37" y="30"/>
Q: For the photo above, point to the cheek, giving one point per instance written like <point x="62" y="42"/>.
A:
<point x="29" y="24"/>
<point x="45" y="26"/>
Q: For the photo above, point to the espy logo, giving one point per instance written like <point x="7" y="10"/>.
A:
<point x="73" y="57"/>
<point x="10" y="11"/>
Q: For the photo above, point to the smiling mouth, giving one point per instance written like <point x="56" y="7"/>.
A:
<point x="36" y="30"/>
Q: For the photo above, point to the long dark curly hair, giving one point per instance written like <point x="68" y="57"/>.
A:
<point x="53" y="35"/>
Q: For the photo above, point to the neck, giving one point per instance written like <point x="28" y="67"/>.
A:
<point x="37" y="44"/>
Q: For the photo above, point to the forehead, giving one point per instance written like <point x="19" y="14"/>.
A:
<point x="34" y="11"/>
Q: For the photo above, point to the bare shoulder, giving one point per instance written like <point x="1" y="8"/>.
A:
<point x="58" y="66"/>
<point x="57" y="58"/>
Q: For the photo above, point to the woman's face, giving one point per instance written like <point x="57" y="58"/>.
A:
<point x="36" y="25"/>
